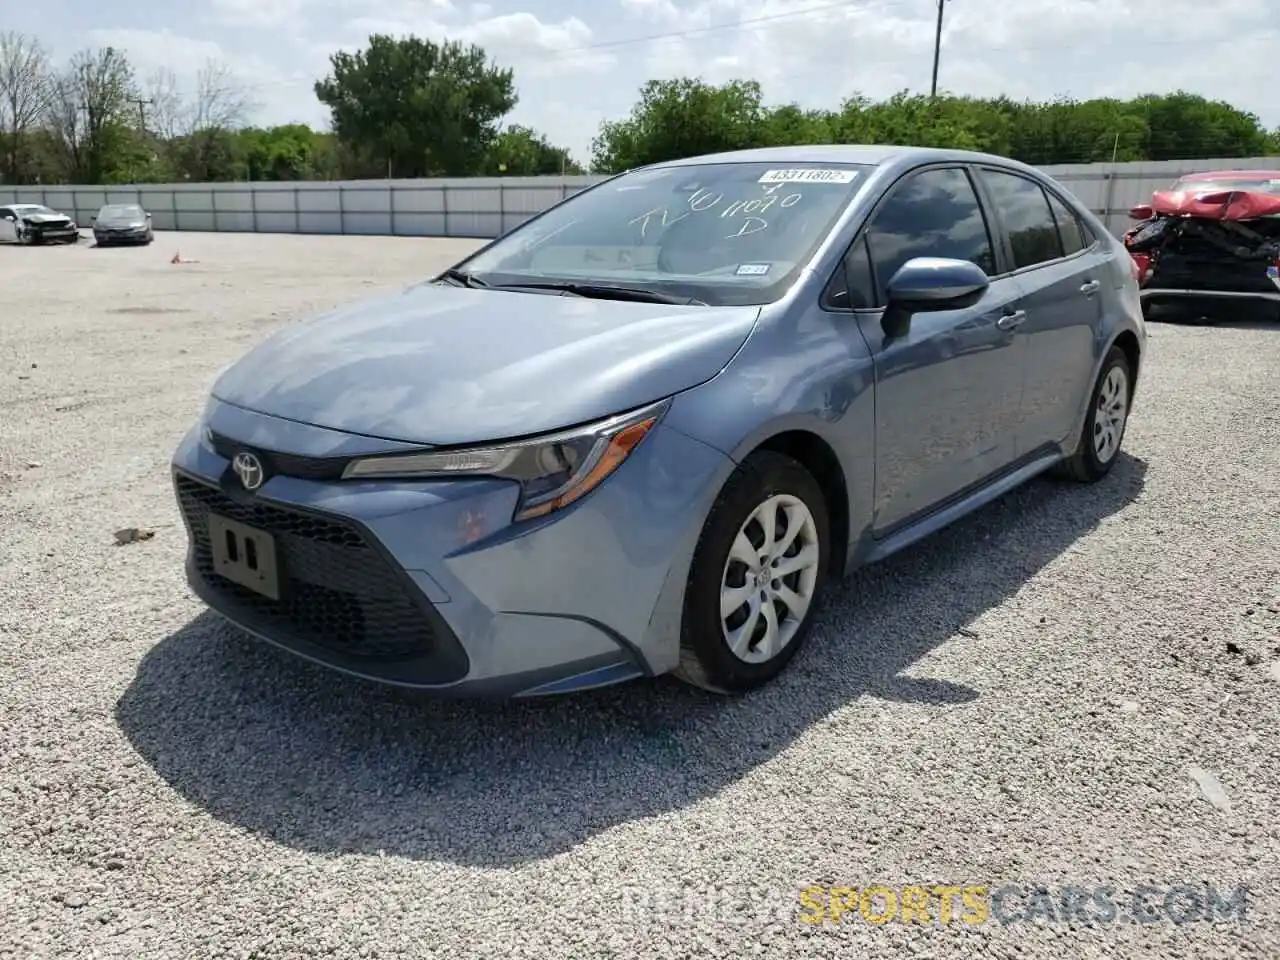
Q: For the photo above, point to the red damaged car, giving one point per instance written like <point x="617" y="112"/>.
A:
<point x="1210" y="245"/>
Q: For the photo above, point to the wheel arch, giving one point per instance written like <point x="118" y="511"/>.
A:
<point x="817" y="456"/>
<point x="1127" y="341"/>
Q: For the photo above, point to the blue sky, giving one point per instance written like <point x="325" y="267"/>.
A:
<point x="579" y="62"/>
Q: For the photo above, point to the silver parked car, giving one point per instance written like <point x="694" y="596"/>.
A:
<point x="36" y="223"/>
<point x="644" y="431"/>
<point x="122" y="223"/>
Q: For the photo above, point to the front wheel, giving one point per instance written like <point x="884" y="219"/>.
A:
<point x="757" y="575"/>
<point x="1099" y="443"/>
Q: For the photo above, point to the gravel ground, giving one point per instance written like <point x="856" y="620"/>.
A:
<point x="1075" y="687"/>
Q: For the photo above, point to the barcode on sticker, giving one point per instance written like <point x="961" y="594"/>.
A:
<point x="811" y="175"/>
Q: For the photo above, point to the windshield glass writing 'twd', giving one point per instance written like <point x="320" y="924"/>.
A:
<point x="723" y="233"/>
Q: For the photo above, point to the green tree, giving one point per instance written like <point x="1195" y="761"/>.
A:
<point x="682" y="118"/>
<point x="1184" y="125"/>
<point x="520" y="152"/>
<point x="25" y="89"/>
<point x="90" y="113"/>
<point x="416" y="107"/>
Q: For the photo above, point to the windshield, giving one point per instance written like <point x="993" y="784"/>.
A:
<point x="120" y="210"/>
<point x="722" y="233"/>
<point x="1224" y="184"/>
<point x="29" y="208"/>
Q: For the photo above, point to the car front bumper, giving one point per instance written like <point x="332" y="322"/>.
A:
<point x="139" y="235"/>
<point x="430" y="585"/>
<point x="43" y="234"/>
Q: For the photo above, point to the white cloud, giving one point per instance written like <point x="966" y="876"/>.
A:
<point x="259" y="13"/>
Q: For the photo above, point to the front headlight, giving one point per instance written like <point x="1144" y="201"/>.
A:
<point x="553" y="470"/>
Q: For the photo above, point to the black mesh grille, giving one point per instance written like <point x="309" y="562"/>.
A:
<point x="337" y="592"/>
<point x="284" y="464"/>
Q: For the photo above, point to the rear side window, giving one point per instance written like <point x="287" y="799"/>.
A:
<point x="934" y="213"/>
<point x="1024" y="208"/>
<point x="1069" y="227"/>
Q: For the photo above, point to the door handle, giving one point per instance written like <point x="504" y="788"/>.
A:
<point x="1011" y="320"/>
<point x="1090" y="288"/>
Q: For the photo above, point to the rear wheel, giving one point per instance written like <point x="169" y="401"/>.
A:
<point x="1104" y="427"/>
<point x="758" y="573"/>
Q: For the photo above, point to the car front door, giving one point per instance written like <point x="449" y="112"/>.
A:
<point x="948" y="390"/>
<point x="1057" y="264"/>
<point x="8" y="225"/>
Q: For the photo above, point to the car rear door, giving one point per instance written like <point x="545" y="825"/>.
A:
<point x="1056" y="263"/>
<point x="947" y="392"/>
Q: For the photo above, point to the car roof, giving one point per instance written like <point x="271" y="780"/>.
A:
<point x="871" y="154"/>
<point x="1233" y="174"/>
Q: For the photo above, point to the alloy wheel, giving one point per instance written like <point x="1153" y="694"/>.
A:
<point x="769" y="579"/>
<point x="1113" y="410"/>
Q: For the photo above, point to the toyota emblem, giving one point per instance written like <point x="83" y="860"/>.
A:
<point x="249" y="469"/>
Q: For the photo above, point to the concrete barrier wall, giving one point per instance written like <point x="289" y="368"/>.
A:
<point x="484" y="207"/>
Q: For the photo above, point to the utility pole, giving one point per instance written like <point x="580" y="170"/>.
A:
<point x="937" y="49"/>
<point x="142" y="104"/>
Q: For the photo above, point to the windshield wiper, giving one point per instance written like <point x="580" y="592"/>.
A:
<point x="605" y="291"/>
<point x="463" y="278"/>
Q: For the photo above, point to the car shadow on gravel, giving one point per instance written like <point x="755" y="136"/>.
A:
<point x="317" y="762"/>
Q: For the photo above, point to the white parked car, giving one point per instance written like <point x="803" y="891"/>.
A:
<point x="35" y="223"/>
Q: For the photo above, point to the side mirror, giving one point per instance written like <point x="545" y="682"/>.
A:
<point x="10" y="217"/>
<point x="1141" y="211"/>
<point x="93" y="219"/>
<point x="931" y="283"/>
<point x="148" y="216"/>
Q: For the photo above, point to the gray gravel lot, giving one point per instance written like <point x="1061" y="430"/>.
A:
<point x="1026" y="698"/>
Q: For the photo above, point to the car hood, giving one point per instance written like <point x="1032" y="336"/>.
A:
<point x="117" y="222"/>
<point x="45" y="218"/>
<point x="442" y="365"/>
<point x="1216" y="204"/>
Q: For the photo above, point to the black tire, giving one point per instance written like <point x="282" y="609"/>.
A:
<point x="706" y="659"/>
<point x="1085" y="465"/>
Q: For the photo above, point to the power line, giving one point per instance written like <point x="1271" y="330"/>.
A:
<point x="571" y="53"/>
<point x="1004" y="48"/>
<point x="733" y="25"/>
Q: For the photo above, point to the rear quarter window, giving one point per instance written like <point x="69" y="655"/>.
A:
<point x="1070" y="229"/>
<point x="1024" y="208"/>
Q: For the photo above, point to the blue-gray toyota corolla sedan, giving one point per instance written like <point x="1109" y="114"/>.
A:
<point x="643" y="432"/>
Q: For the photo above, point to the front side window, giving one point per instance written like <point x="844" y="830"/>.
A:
<point x="1024" y="208"/>
<point x="934" y="213"/>
<point x="723" y="233"/>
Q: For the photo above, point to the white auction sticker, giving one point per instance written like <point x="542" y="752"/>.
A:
<point x="752" y="269"/>
<point x="809" y="175"/>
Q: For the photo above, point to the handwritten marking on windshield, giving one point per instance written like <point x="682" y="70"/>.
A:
<point x="749" y="225"/>
<point x="667" y="220"/>
<point x="703" y="201"/>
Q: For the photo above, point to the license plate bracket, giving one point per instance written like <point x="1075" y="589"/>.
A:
<point x="245" y="555"/>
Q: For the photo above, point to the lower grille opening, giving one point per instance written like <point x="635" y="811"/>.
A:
<point x="336" y="591"/>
